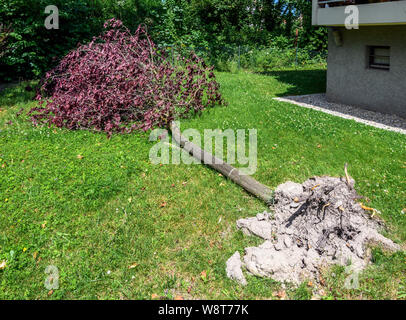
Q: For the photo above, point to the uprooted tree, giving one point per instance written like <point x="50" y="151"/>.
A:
<point x="121" y="82"/>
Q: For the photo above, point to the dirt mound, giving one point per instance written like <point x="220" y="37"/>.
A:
<point x="314" y="224"/>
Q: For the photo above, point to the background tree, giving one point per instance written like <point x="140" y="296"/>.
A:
<point x="210" y="24"/>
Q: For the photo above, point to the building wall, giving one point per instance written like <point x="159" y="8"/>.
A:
<point x="350" y="81"/>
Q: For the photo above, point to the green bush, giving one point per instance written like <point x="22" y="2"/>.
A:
<point x="267" y="59"/>
<point x="214" y="28"/>
<point x="34" y="49"/>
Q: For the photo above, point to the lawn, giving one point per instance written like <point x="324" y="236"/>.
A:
<point x="118" y="227"/>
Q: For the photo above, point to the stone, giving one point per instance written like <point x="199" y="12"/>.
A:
<point x="233" y="269"/>
<point x="253" y="226"/>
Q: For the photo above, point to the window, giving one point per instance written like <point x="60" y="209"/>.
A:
<point x="379" y="57"/>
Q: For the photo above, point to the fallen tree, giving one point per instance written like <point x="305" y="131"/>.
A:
<point x="121" y="82"/>
<point x="311" y="225"/>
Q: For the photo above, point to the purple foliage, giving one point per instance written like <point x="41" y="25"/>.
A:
<point x="120" y="82"/>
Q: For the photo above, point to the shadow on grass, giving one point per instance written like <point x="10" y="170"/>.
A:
<point x="16" y="93"/>
<point x="300" y="81"/>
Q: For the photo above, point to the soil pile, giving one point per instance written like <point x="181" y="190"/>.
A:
<point x="313" y="225"/>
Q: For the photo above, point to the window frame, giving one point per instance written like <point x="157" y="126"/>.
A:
<point x="372" y="56"/>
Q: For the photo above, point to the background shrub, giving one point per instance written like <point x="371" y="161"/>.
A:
<point x="267" y="59"/>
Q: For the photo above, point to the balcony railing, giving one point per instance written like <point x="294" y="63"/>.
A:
<point x="339" y="3"/>
<point x="371" y="12"/>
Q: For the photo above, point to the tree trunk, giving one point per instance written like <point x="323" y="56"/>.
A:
<point x="248" y="183"/>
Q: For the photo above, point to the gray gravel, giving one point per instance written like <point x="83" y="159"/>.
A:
<point x="379" y="120"/>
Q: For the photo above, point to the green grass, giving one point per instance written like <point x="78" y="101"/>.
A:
<point x="95" y="215"/>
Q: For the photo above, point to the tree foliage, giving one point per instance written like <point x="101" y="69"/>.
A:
<point x="212" y="24"/>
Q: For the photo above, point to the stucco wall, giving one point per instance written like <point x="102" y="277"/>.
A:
<point x="350" y="81"/>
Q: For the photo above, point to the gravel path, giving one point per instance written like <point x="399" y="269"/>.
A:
<point x="379" y="120"/>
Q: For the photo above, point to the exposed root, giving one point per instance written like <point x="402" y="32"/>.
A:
<point x="314" y="224"/>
